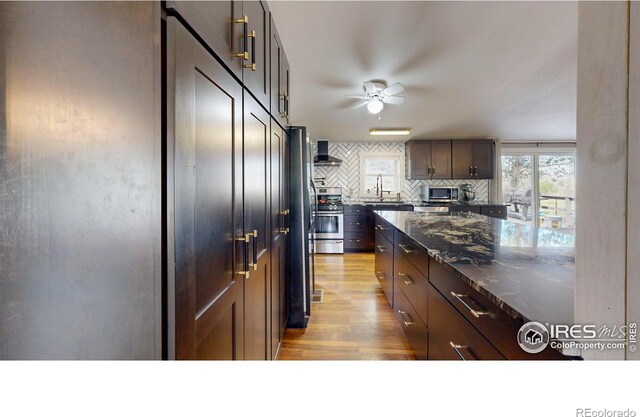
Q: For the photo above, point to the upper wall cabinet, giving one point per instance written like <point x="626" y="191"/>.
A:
<point x="238" y="33"/>
<point x="255" y="75"/>
<point x="473" y="159"/>
<point x="279" y="78"/>
<point x="221" y="25"/>
<point x="428" y="159"/>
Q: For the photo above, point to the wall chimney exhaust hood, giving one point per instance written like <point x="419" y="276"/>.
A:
<point x="323" y="158"/>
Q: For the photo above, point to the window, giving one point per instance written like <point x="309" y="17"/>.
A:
<point x="539" y="185"/>
<point x="385" y="166"/>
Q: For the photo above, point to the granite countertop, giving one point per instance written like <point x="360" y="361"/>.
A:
<point x="526" y="271"/>
<point x="358" y="201"/>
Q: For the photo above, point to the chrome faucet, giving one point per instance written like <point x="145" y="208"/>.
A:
<point x="379" y="191"/>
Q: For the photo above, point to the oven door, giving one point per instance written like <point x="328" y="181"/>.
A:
<point x="329" y="226"/>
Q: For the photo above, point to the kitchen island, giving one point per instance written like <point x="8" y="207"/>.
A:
<point x="463" y="284"/>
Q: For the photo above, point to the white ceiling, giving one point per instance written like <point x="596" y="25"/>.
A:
<point x="471" y="69"/>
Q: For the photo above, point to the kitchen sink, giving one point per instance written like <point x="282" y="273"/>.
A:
<point x="382" y="203"/>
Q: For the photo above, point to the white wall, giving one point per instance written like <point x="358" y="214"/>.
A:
<point x="602" y="167"/>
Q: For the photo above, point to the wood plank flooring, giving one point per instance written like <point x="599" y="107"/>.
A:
<point x="355" y="321"/>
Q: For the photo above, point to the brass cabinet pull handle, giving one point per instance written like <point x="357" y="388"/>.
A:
<point x="245" y="33"/>
<point x="406" y="278"/>
<point x="456" y="348"/>
<point x="405" y="248"/>
<point x="406" y="322"/>
<point x="473" y="312"/>
<point x="380" y="274"/>
<point x="255" y="250"/>
<point x="245" y="239"/>
<point x="252" y="66"/>
<point x="381" y="248"/>
<point x="284" y="229"/>
<point x="433" y="170"/>
<point x="381" y="227"/>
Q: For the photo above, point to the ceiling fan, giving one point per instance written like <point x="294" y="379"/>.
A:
<point x="377" y="94"/>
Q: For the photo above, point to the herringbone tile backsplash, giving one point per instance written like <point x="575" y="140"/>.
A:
<point x="347" y="175"/>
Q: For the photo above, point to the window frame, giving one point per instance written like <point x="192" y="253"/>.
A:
<point x="399" y="177"/>
<point x="535" y="152"/>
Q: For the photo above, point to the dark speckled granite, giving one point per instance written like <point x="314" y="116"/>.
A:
<point x="528" y="272"/>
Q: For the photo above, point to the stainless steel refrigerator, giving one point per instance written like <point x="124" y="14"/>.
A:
<point x="302" y="218"/>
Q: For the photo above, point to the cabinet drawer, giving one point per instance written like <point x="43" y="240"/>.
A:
<point x="355" y="223"/>
<point x="451" y="336"/>
<point x="470" y="209"/>
<point x="354" y="240"/>
<point x="415" y="253"/>
<point x="384" y="265"/>
<point x="495" y="324"/>
<point x="355" y="210"/>
<point x="413" y="327"/>
<point x="494" y="211"/>
<point x="385" y="228"/>
<point x="413" y="283"/>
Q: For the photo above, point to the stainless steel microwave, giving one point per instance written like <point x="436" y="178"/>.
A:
<point x="429" y="194"/>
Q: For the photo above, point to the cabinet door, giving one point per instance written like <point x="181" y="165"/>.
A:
<point x="255" y="75"/>
<point x="284" y="279"/>
<point x="461" y="159"/>
<point x="204" y="111"/>
<point x="440" y="159"/>
<point x="483" y="159"/>
<point x="256" y="138"/>
<point x="384" y="265"/>
<point x="285" y="71"/>
<point x="219" y="24"/>
<point x="418" y="155"/>
<point x="277" y="77"/>
<point x="278" y="235"/>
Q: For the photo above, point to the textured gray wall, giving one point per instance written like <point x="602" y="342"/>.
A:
<point x="80" y="184"/>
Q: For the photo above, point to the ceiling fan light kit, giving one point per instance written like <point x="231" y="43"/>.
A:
<point x="389" y="132"/>
<point x="375" y="106"/>
<point x="377" y="95"/>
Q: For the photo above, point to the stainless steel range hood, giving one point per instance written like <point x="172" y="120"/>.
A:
<point x="323" y="158"/>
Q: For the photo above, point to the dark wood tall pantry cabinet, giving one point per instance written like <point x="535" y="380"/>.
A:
<point x="227" y="182"/>
<point x="205" y="128"/>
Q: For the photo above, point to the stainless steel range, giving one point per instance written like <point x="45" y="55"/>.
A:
<point x="329" y="230"/>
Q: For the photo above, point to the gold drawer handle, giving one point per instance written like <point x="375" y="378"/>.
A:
<point x="473" y="312"/>
<point x="405" y="248"/>
<point x="406" y="278"/>
<point x="406" y="322"/>
<point x="457" y="348"/>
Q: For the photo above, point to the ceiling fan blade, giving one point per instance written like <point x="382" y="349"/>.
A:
<point x="393" y="100"/>
<point x="364" y="103"/>
<point x="360" y="97"/>
<point x="394" y="89"/>
<point x="369" y="87"/>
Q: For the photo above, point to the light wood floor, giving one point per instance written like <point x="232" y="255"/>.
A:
<point x="355" y="321"/>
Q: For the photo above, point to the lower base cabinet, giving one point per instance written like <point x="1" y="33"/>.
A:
<point x="384" y="265"/>
<point x="412" y="325"/>
<point x="451" y="336"/>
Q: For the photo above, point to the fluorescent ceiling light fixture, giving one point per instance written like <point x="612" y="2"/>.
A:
<point x="375" y="106"/>
<point x="389" y="132"/>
